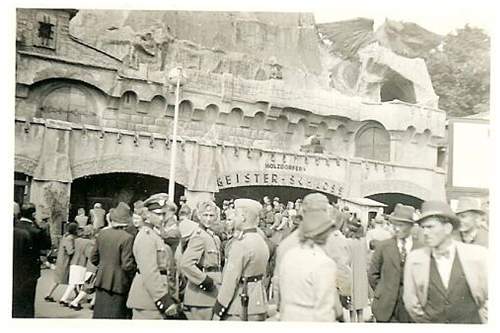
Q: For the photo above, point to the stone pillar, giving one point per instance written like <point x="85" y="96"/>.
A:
<point x="53" y="198"/>
<point x="193" y="197"/>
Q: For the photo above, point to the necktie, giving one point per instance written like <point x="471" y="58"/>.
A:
<point x="403" y="250"/>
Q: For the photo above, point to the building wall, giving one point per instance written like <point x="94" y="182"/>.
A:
<point x="118" y="119"/>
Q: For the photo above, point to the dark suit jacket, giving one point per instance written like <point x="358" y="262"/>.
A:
<point x="384" y="274"/>
<point x="40" y="240"/>
<point x="112" y="254"/>
<point x="22" y="255"/>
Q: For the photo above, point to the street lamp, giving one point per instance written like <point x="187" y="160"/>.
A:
<point x="176" y="77"/>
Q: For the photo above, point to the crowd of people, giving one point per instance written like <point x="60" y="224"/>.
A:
<point x="308" y="260"/>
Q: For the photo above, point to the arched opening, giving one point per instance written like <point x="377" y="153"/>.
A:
<point x="111" y="188"/>
<point x="285" y="193"/>
<point x="235" y="117"/>
<point x="212" y="112"/>
<point x="67" y="100"/>
<point x="373" y="142"/>
<point x="259" y="120"/>
<point x="128" y="101"/>
<point x="157" y="106"/>
<point x="397" y="87"/>
<point x="391" y="199"/>
<point x="185" y="110"/>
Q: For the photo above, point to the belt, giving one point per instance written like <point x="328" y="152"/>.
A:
<point x="209" y="269"/>
<point x="253" y="278"/>
<point x="162" y="272"/>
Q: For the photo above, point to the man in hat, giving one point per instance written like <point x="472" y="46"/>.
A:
<point x="152" y="295"/>
<point x="385" y="272"/>
<point x="378" y="233"/>
<point x="470" y="213"/>
<point x="446" y="281"/>
<point x="201" y="264"/>
<point x="112" y="254"/>
<point x="242" y="295"/>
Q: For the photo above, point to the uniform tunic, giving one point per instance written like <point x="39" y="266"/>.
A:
<point x="201" y="258"/>
<point x="248" y="257"/>
<point x="307" y="285"/>
<point x="154" y="259"/>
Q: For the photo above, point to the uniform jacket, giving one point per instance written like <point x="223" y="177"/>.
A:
<point x="153" y="259"/>
<point x="307" y="285"/>
<point x="384" y="275"/>
<point x="474" y="260"/>
<point x="113" y="257"/>
<point x="81" y="255"/>
<point x="248" y="257"/>
<point x="203" y="251"/>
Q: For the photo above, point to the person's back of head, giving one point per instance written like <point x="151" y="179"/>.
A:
<point x="72" y="228"/>
<point x="28" y="210"/>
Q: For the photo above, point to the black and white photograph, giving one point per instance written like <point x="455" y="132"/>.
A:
<point x="314" y="162"/>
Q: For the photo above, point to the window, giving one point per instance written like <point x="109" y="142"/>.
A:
<point x="46" y="30"/>
<point x="129" y="100"/>
<point x="373" y="142"/>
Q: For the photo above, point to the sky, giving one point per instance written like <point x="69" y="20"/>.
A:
<point x="439" y="16"/>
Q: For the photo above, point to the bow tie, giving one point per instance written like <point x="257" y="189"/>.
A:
<point x="442" y="255"/>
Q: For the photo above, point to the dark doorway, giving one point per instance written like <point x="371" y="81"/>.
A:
<point x="111" y="188"/>
<point x="391" y="199"/>
<point x="285" y="193"/>
<point x="22" y="183"/>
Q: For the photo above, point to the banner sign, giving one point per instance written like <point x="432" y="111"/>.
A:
<point x="270" y="178"/>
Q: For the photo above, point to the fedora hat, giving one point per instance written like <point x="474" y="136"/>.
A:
<point x="120" y="215"/>
<point x="437" y="208"/>
<point x="468" y="204"/>
<point x="316" y="215"/>
<point x="402" y="213"/>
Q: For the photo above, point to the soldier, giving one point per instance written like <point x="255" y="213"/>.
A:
<point x="201" y="265"/>
<point x="151" y="296"/>
<point x="242" y="295"/>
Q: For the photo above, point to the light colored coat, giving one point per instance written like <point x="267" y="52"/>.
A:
<point x="416" y="279"/>
<point x="248" y="257"/>
<point x="152" y="256"/>
<point x="307" y="285"/>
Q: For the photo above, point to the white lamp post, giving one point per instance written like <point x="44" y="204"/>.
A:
<point x="176" y="77"/>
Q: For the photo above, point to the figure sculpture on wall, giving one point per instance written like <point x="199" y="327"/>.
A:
<point x="276" y="73"/>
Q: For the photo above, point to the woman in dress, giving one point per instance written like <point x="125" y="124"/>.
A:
<point x="78" y="266"/>
<point x="64" y="255"/>
<point x="358" y="247"/>
<point x="307" y="276"/>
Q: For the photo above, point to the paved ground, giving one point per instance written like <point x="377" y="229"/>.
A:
<point x="45" y="309"/>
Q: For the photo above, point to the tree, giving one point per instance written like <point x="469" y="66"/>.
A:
<point x="460" y="72"/>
